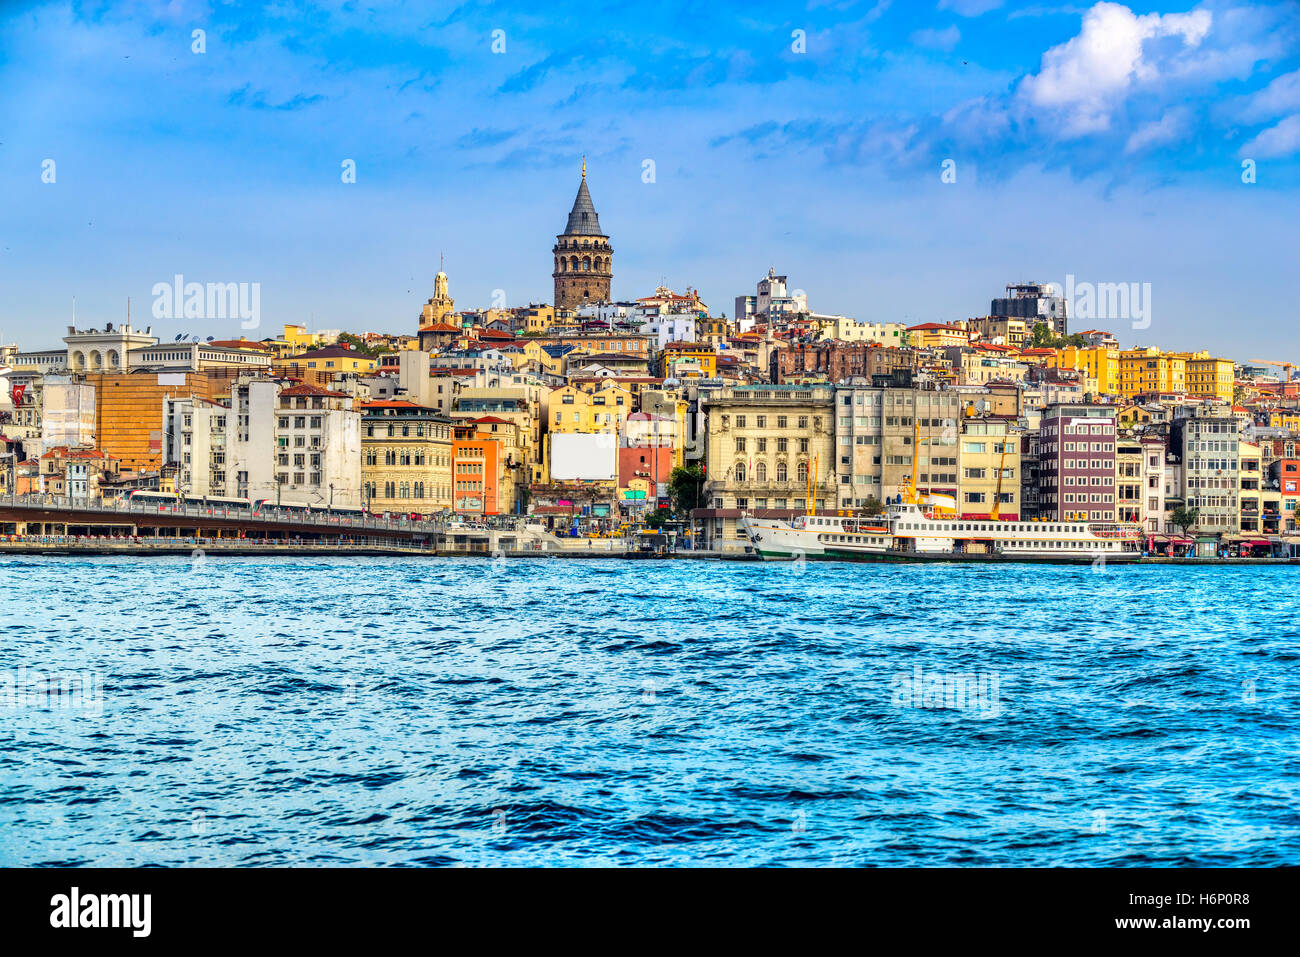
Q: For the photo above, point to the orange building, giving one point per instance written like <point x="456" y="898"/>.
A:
<point x="129" y="411"/>
<point x="475" y="471"/>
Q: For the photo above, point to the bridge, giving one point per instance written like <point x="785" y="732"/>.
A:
<point x="45" y="523"/>
<point x="38" y="516"/>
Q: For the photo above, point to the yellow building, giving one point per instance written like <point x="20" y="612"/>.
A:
<point x="1147" y="370"/>
<point x="1208" y="377"/>
<point x="984" y="448"/>
<point x="1282" y="419"/>
<point x="693" y="355"/>
<point x="575" y="410"/>
<point x="934" y="335"/>
<point x="332" y="359"/>
<point x="1100" y="364"/>
<point x="405" y="458"/>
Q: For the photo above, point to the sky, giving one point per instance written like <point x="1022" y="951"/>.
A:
<point x="898" y="161"/>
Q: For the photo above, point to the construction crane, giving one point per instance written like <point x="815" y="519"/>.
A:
<point x="1286" y="367"/>
<point x="997" y="494"/>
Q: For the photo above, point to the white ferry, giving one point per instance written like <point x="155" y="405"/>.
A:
<point x="909" y="529"/>
<point x="809" y="536"/>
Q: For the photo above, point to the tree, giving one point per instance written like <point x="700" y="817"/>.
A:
<point x="686" y="487"/>
<point x="360" y="345"/>
<point x="1184" y="518"/>
<point x="872" y="506"/>
<point x="656" y="518"/>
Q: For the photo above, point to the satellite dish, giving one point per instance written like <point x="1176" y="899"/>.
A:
<point x="981" y="406"/>
<point x="194" y="338"/>
<point x="210" y="338"/>
<point x="179" y="336"/>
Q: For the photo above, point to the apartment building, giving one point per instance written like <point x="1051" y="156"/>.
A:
<point x="1076" y="463"/>
<point x="1211" y="458"/>
<point x="768" y="449"/>
<point x="406" y="457"/>
<point x="299" y="444"/>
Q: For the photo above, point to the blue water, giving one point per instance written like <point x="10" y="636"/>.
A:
<point x="532" y="712"/>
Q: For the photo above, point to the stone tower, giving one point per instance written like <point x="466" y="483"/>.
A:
<point x="584" y="261"/>
<point x="440" y="306"/>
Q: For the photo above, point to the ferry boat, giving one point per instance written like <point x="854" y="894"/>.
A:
<point x="810" y="536"/>
<point x="911" y="530"/>
<point x="916" y="525"/>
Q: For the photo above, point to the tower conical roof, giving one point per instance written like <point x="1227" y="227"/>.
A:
<point x="582" y="218"/>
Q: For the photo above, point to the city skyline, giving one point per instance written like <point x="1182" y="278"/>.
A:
<point x="1103" y="143"/>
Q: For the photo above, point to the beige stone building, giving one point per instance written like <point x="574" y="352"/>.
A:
<point x="406" y="453"/>
<point x="769" y="451"/>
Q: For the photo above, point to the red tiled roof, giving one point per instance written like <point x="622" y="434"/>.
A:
<point x="304" y="389"/>
<point x="440" y="327"/>
<point x="927" y="326"/>
<point x="63" y="452"/>
<point x="391" y="404"/>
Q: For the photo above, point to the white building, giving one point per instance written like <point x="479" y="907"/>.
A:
<point x="298" y="444"/>
<point x="772" y="302"/>
<point x="852" y="330"/>
<point x="67" y="413"/>
<point x="670" y="327"/>
<point x="1211" y="458"/>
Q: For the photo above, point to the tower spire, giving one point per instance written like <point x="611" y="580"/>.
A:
<point x="584" y="165"/>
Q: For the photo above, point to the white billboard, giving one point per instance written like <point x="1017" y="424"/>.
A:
<point x="585" y="456"/>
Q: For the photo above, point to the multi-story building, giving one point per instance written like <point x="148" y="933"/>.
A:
<point x="773" y="303"/>
<point x="298" y="444"/>
<point x="1285" y="473"/>
<point x="523" y="403"/>
<point x="1148" y="370"/>
<point x="1211" y="454"/>
<point x="405" y="457"/>
<point x="1001" y="330"/>
<point x="1099" y="364"/>
<point x="76" y="473"/>
<point x="988" y="364"/>
<point x="987" y="445"/>
<point x="769" y="450"/>
<point x="1210" y="378"/>
<point x="874" y="432"/>
<point x="577" y="410"/>
<point x="1034" y="302"/>
<point x="837" y="361"/>
<point x="1249" y="489"/>
<point x="844" y="329"/>
<point x="1076" y="463"/>
<point x="937" y="335"/>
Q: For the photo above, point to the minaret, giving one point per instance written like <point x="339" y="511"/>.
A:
<point x="584" y="260"/>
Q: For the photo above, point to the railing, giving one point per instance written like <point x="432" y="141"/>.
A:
<point x="315" y="519"/>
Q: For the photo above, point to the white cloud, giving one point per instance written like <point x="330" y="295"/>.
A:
<point x="1085" y="78"/>
<point x="1280" y="96"/>
<point x="1280" y="140"/>
<point x="1168" y="129"/>
<point x="944" y="39"/>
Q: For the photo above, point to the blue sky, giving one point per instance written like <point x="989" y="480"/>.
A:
<point x="1099" y="140"/>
